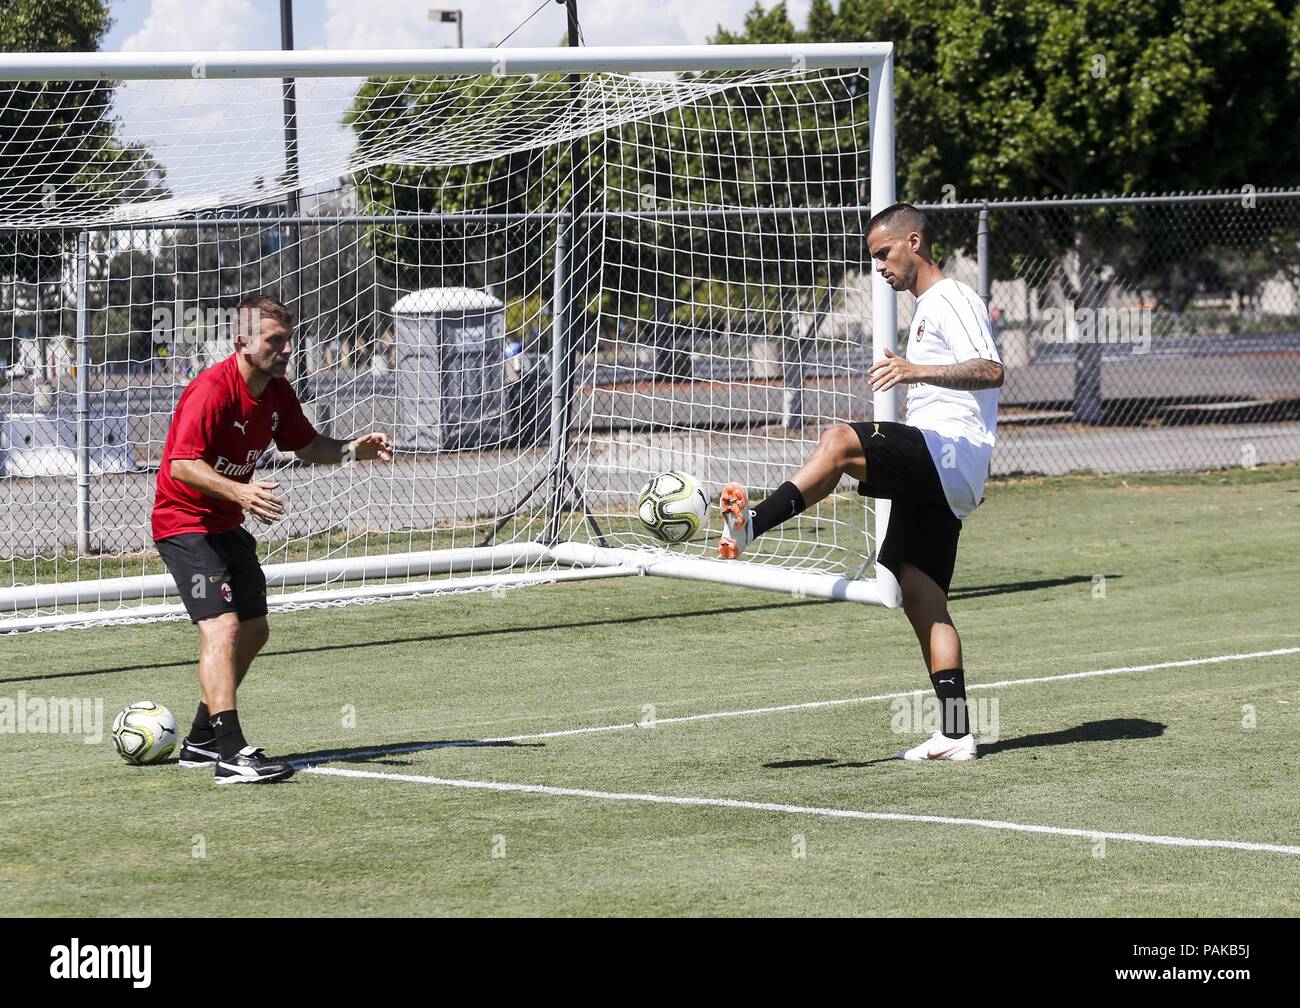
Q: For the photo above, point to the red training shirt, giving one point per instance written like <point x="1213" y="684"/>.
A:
<point x="218" y="420"/>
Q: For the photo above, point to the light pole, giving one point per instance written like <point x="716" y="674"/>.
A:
<point x="447" y="17"/>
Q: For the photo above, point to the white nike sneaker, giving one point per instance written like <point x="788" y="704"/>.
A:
<point x="737" y="522"/>
<point x="939" y="746"/>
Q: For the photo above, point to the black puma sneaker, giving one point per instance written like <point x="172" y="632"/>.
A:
<point x="198" y="754"/>
<point x="250" y="766"/>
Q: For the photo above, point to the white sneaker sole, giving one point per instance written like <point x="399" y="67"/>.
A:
<point x="241" y="779"/>
<point x="952" y="756"/>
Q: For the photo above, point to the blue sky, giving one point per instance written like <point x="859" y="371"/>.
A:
<point x="345" y="24"/>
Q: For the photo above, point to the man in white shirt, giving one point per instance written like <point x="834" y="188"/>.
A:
<point x="932" y="467"/>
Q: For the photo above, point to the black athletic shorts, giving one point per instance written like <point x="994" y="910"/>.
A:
<point x="216" y="573"/>
<point x="922" y="529"/>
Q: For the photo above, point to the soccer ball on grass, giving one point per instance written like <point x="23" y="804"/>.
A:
<point x="144" y="733"/>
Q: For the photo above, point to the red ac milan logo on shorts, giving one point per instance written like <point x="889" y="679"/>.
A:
<point x="226" y="593"/>
<point x="920" y="329"/>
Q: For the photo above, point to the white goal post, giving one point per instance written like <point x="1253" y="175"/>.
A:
<point x="548" y="273"/>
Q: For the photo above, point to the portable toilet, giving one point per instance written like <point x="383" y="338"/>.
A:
<point x="449" y="356"/>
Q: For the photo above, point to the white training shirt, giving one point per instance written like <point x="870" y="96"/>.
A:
<point x="951" y="325"/>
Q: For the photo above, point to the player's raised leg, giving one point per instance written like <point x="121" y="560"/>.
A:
<point x="926" y="606"/>
<point x="838" y="453"/>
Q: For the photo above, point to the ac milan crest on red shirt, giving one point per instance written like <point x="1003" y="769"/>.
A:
<point x="218" y="420"/>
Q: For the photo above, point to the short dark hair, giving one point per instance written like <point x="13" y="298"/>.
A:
<point x="250" y="312"/>
<point x="905" y="218"/>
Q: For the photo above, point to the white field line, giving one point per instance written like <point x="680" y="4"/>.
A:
<point x="756" y="711"/>
<point x="733" y="803"/>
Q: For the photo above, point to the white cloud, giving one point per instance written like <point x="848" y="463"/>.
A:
<point x="183" y="25"/>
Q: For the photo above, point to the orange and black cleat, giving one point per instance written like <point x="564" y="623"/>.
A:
<point x="737" y="521"/>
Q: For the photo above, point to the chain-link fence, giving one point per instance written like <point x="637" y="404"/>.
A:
<point x="1142" y="334"/>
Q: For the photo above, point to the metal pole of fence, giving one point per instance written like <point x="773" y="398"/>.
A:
<point x="793" y="377"/>
<point x="559" y="354"/>
<point x="83" y="394"/>
<point x="982" y="255"/>
<point x="567" y="316"/>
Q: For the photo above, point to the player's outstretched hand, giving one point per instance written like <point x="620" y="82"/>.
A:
<point x="258" y="500"/>
<point x="374" y="446"/>
<point x="891" y="371"/>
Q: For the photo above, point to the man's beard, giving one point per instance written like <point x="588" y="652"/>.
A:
<point x="270" y="367"/>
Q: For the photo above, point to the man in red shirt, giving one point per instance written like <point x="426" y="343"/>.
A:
<point x="225" y="419"/>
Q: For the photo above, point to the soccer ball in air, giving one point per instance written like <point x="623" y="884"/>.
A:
<point x="672" y="506"/>
<point x="144" y="733"/>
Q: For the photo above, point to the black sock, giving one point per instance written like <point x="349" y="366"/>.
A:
<point x="230" y="737"/>
<point x="201" y="731"/>
<point x="786" y="502"/>
<point x="950" y="688"/>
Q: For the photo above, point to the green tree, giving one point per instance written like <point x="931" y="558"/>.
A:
<point x="500" y="116"/>
<point x="63" y="160"/>
<point x="538" y="158"/>
<point x="1042" y="98"/>
<point x="1058" y="97"/>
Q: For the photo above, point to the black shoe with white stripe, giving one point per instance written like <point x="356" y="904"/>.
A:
<point x="198" y="754"/>
<point x="250" y="766"/>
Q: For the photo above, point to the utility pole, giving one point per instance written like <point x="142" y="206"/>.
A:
<point x="564" y="494"/>
<point x="566" y="320"/>
<point x="447" y="17"/>
<point x="289" y="88"/>
<point x="572" y="7"/>
<point x="292" y="207"/>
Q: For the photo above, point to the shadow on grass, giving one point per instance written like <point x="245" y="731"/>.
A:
<point x="376" y="753"/>
<point x="455" y="635"/>
<point x="983" y="591"/>
<point x="1112" y="730"/>
<point x="969" y="592"/>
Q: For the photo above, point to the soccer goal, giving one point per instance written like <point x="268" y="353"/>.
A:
<point x="548" y="273"/>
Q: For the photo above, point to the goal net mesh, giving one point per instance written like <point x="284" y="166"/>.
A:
<point x="694" y="242"/>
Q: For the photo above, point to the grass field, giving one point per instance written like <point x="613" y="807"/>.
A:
<point x="1194" y="567"/>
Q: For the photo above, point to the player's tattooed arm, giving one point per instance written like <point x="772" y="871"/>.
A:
<point x="968" y="375"/>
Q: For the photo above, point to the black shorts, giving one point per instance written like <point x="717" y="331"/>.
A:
<point x="922" y="529"/>
<point x="216" y="573"/>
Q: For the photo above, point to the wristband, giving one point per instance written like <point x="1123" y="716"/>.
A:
<point x="349" y="453"/>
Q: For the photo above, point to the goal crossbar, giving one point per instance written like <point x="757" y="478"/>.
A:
<point x="259" y="63"/>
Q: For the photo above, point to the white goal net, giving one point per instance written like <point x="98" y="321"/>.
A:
<point x="547" y="274"/>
